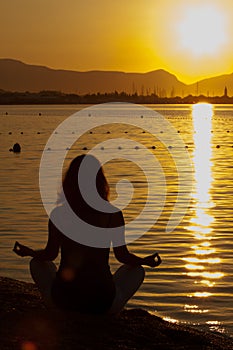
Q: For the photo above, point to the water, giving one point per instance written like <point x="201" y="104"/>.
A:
<point x="194" y="283"/>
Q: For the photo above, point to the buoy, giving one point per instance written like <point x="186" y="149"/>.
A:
<point x="21" y="133"/>
<point x="6" y="113"/>
<point x="108" y="132"/>
<point x="178" y="131"/>
<point x="119" y="147"/>
<point x="16" y="148"/>
<point x="143" y="132"/>
<point x="141" y="116"/>
<point x="161" y="132"/>
<point x="56" y="132"/>
<point x="89" y="115"/>
<point x="102" y="148"/>
<point x="84" y="148"/>
<point x="169" y="147"/>
<point x="91" y="132"/>
<point x="218" y="146"/>
<point x="153" y="147"/>
<point x="136" y="147"/>
<point x="38" y="133"/>
<point x="10" y="132"/>
<point x="186" y="146"/>
<point x="48" y="149"/>
<point x="126" y="132"/>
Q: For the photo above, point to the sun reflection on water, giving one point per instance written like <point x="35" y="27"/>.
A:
<point x="202" y="262"/>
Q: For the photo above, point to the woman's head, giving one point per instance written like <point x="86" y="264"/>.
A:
<point x="71" y="186"/>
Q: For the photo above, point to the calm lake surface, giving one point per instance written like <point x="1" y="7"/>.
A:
<point x="194" y="283"/>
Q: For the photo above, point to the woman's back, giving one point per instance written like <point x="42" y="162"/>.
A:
<point x="84" y="280"/>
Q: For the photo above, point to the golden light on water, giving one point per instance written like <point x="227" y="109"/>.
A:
<point x="202" y="264"/>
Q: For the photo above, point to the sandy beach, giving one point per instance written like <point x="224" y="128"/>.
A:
<point x="27" y="325"/>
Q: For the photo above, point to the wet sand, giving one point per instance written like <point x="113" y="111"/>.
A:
<point x="25" y="324"/>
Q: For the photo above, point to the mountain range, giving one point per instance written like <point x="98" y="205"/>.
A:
<point x="18" y="76"/>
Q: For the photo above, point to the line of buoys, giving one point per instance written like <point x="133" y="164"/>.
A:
<point x="16" y="148"/>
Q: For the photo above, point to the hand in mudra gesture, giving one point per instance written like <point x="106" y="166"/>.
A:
<point x="151" y="260"/>
<point x="22" y="250"/>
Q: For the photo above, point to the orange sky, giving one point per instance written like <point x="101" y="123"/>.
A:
<point x="192" y="39"/>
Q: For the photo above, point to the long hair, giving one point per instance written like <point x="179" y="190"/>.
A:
<point x="71" y="186"/>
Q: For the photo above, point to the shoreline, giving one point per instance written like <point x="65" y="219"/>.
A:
<point x="26" y="324"/>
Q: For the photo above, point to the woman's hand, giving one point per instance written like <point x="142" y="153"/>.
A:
<point x="150" y="260"/>
<point x="22" y="250"/>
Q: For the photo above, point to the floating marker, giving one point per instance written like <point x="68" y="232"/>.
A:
<point x="102" y="148"/>
<point x="119" y="147"/>
<point x="84" y="148"/>
<point x="91" y="132"/>
<point x="16" y="148"/>
<point x="153" y="147"/>
<point x="136" y="147"/>
<point x="21" y="133"/>
<point x="126" y="132"/>
<point x="38" y="132"/>
<point x="169" y="147"/>
<point x="108" y="132"/>
<point x="10" y="132"/>
<point x="39" y="114"/>
<point x="218" y="146"/>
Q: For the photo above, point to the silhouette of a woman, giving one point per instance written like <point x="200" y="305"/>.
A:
<point x="84" y="281"/>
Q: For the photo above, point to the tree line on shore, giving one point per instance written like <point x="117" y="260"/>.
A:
<point x="57" y="97"/>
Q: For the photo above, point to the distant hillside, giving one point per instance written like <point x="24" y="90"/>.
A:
<point x="18" y="76"/>
<point x="214" y="86"/>
<point x="21" y="77"/>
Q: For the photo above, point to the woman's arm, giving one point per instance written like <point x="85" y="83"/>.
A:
<point x="51" y="250"/>
<point x="121" y="251"/>
<point x="124" y="256"/>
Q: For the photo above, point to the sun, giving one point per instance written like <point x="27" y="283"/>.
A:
<point x="202" y="29"/>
